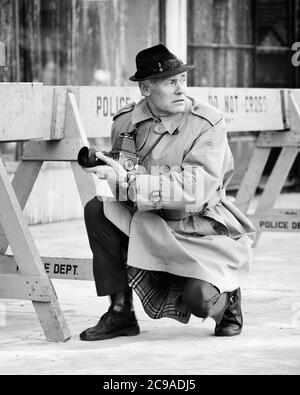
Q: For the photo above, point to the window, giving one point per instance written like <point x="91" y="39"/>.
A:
<point x="243" y="43"/>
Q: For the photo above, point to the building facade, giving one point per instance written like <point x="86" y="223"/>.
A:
<point x="233" y="43"/>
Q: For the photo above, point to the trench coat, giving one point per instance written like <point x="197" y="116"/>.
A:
<point x="183" y="225"/>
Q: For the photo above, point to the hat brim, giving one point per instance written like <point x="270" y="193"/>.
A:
<point x="163" y="74"/>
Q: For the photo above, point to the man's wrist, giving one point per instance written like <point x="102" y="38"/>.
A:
<point x="131" y="181"/>
<point x="131" y="177"/>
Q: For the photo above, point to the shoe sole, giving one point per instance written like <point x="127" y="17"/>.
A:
<point x="121" y="332"/>
<point x="227" y="334"/>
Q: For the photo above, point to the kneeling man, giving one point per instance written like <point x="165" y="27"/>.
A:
<point x="188" y="247"/>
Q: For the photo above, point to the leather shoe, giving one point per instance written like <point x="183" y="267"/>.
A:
<point x="232" y="321"/>
<point x="112" y="324"/>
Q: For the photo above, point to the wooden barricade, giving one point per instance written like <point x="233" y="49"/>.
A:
<point x="273" y="114"/>
<point x="51" y="121"/>
<point x="23" y="275"/>
<point x="266" y="217"/>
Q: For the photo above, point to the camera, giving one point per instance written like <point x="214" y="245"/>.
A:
<point x="124" y="153"/>
<point x="87" y="158"/>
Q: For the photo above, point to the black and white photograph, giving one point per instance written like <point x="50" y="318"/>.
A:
<point x="149" y="190"/>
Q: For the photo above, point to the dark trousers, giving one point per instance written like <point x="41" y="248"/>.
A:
<point x="109" y="246"/>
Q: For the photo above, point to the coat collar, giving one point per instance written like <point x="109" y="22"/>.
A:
<point x="143" y="113"/>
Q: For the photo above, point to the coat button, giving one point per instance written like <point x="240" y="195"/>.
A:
<point x="157" y="129"/>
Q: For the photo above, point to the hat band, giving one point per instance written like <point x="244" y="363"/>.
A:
<point x="167" y="65"/>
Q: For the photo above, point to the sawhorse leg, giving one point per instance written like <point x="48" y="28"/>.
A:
<point x="276" y="182"/>
<point x="252" y="178"/>
<point x="32" y="273"/>
<point x="23" y="182"/>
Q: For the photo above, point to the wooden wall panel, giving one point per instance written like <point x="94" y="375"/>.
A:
<point x="63" y="42"/>
<point x="30" y="40"/>
<point x="220" y="22"/>
<point x="9" y="37"/>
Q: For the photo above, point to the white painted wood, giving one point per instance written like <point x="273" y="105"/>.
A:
<point x="266" y="218"/>
<point x="20" y="111"/>
<point x="274" y="139"/>
<point x="73" y="119"/>
<point x="28" y="259"/>
<point x="22" y="184"/>
<point x="244" y="109"/>
<point x="176" y="27"/>
<point x="52" y="321"/>
<point x="288" y="212"/>
<point x="272" y="190"/>
<point x="58" y="114"/>
<point x="294" y="111"/>
<point x="59" y="151"/>
<point x="277" y="178"/>
<point x="285" y="161"/>
<point x="98" y="105"/>
<point x="251" y="178"/>
<point x="58" y="268"/>
<point x="39" y="112"/>
<point x="16" y="286"/>
<point x="74" y="129"/>
<point x="47" y="117"/>
<point x="275" y="222"/>
<point x="15" y="228"/>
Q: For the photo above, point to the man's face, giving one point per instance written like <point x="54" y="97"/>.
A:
<point x="167" y="96"/>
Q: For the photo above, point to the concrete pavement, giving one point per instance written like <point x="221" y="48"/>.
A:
<point x="269" y="344"/>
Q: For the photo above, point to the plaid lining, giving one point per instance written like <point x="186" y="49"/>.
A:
<point x="160" y="293"/>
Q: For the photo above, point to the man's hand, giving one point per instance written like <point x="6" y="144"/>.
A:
<point x="114" y="173"/>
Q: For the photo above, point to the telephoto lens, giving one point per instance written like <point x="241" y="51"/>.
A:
<point x="87" y="157"/>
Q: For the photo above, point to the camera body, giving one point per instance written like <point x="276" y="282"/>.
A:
<point x="124" y="152"/>
<point x="87" y="158"/>
<point x="128" y="160"/>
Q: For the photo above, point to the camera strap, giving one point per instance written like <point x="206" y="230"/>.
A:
<point x="127" y="143"/>
<point x="153" y="146"/>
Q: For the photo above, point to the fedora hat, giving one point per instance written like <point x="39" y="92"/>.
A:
<point x="158" y="62"/>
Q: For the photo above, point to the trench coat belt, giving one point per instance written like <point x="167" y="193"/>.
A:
<point x="176" y="215"/>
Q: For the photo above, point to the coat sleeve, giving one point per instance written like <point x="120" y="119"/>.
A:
<point x="195" y="183"/>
